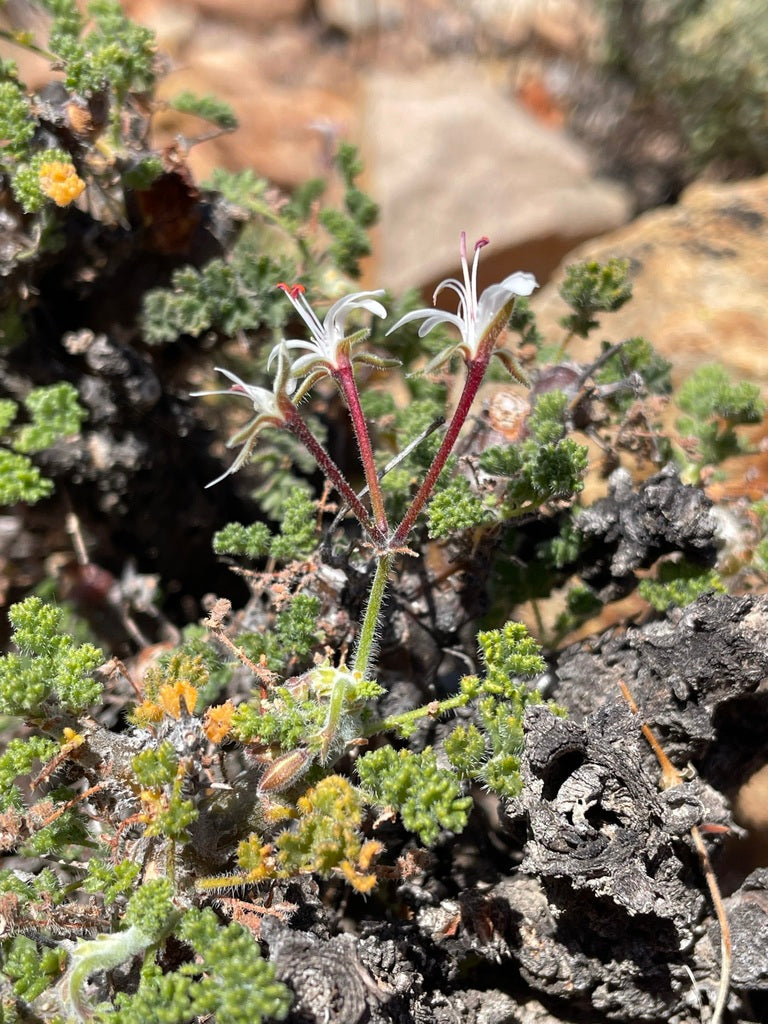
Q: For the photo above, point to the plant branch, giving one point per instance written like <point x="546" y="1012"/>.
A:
<point x="298" y="427"/>
<point x="432" y="710"/>
<point x="475" y="372"/>
<point x="345" y="377"/>
<point x="371" y="619"/>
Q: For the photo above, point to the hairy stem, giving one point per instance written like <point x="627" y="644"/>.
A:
<point x="346" y="379"/>
<point x="371" y="619"/>
<point x="298" y="427"/>
<point x="431" y="710"/>
<point x="475" y="372"/>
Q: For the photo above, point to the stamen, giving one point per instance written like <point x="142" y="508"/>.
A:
<point x="472" y="289"/>
<point x="309" y="316"/>
<point x="293" y="291"/>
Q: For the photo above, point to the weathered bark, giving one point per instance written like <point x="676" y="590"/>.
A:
<point x="598" y="910"/>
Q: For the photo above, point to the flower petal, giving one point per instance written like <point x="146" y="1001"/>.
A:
<point x="521" y="283"/>
<point x="432" y="318"/>
<point x="498" y="295"/>
<point x="238" y="387"/>
<point x="440" y="317"/>
<point x="336" y="317"/>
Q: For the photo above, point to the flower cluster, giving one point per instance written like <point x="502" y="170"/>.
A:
<point x="481" y="320"/>
<point x="329" y="348"/>
<point x="331" y="352"/>
<point x="271" y="408"/>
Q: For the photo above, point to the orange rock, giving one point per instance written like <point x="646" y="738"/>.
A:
<point x="700" y="276"/>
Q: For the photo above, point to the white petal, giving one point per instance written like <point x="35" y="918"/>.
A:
<point x="521" y="283"/>
<point x="336" y="316"/>
<point x="232" y="376"/>
<point x="261" y="398"/>
<point x="361" y="300"/>
<point x="498" y="295"/>
<point x="204" y="394"/>
<point x="440" y="317"/>
<point x="245" y="388"/>
<point x="415" y="314"/>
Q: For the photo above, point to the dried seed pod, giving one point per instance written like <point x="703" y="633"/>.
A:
<point x="285" y="770"/>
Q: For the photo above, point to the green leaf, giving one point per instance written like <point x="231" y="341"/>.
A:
<point x="20" y="480"/>
<point x="298" y="535"/>
<point x="55" y="413"/>
<point x="236" y="539"/>
<point x="427" y="797"/>
<point x="455" y="508"/>
<point x="592" y="287"/>
<point x="679" y="584"/>
<point x="509" y="653"/>
<point x="207" y="107"/>
<point x="710" y="391"/>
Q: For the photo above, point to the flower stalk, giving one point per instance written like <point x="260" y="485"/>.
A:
<point x="475" y="373"/>
<point x="331" y="471"/>
<point x="330" y="352"/>
<point x="367" y="638"/>
<point x="345" y="377"/>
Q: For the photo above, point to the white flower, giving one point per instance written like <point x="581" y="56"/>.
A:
<point x="328" y="346"/>
<point x="270" y="407"/>
<point x="480" y="321"/>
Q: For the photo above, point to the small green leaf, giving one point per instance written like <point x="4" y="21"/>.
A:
<point x="207" y="107"/>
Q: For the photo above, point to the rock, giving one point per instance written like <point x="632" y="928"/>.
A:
<point x="700" y="276"/>
<point x="601" y="904"/>
<point x="265" y="13"/>
<point x="448" y="152"/>
<point x="358" y="16"/>
<point x="293" y="102"/>
<point x="562" y="25"/>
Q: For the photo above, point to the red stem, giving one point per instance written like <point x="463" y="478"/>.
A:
<point x="297" y="426"/>
<point x="475" y="372"/>
<point x="344" y="374"/>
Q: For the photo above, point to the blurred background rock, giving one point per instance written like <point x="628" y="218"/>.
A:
<point x="541" y="123"/>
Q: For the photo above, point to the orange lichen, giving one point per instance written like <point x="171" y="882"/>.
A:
<point x="60" y="182"/>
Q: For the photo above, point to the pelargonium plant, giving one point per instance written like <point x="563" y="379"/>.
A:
<point x="480" y="321"/>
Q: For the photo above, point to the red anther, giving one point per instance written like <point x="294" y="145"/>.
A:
<point x="238" y="389"/>
<point x="293" y="290"/>
<point x="481" y="242"/>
